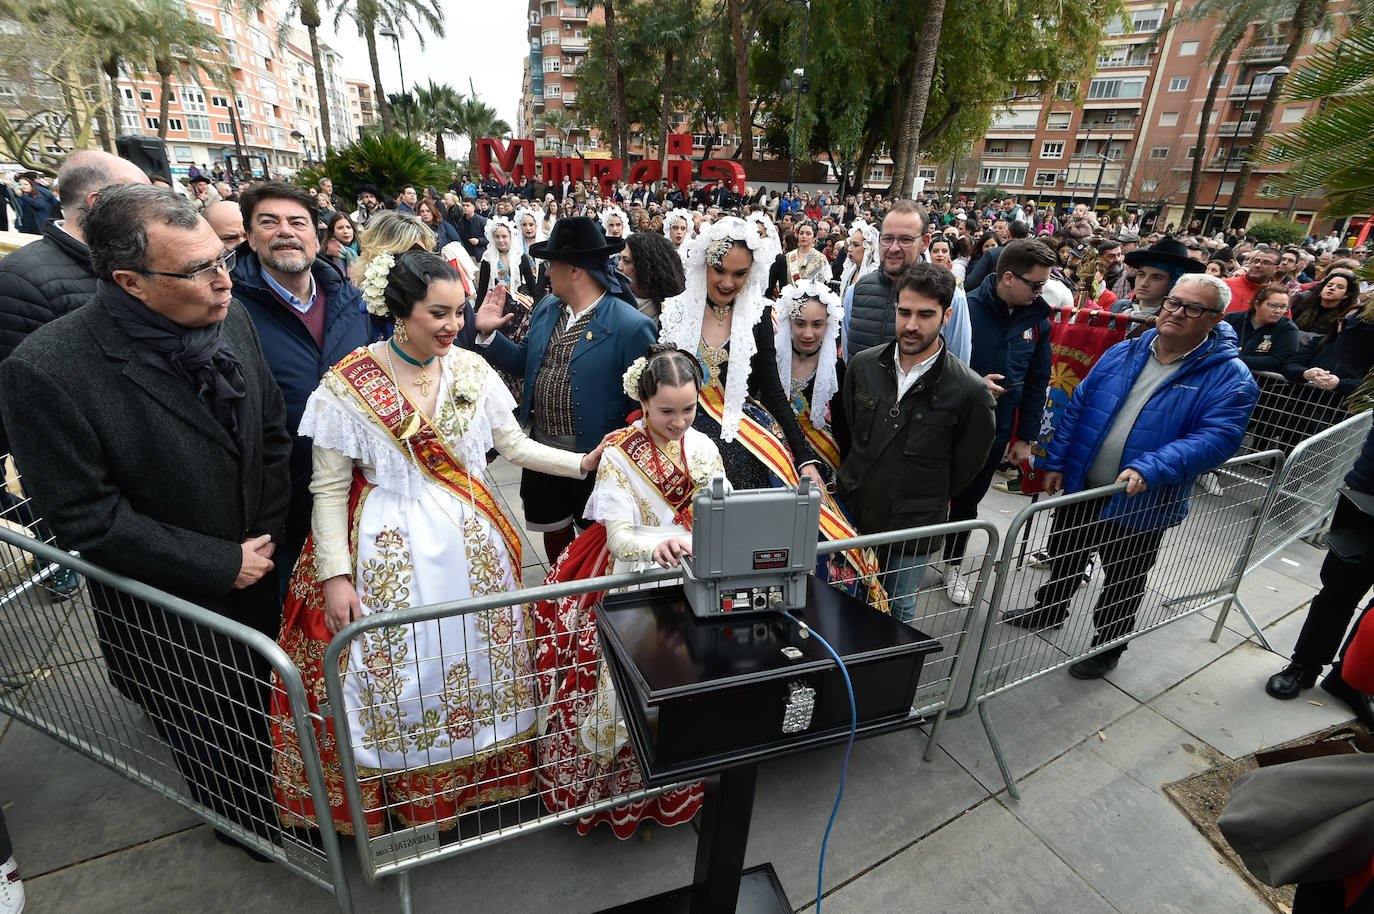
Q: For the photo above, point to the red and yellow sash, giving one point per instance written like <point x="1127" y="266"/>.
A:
<point x="376" y="391"/>
<point x="670" y="480"/>
<point x="822" y="442"/>
<point x="775" y="455"/>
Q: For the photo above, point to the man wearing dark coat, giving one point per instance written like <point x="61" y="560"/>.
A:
<point x="152" y="438"/>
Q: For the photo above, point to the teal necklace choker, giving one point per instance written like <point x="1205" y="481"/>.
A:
<point x="424" y="381"/>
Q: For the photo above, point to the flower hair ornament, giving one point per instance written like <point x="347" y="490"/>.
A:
<point x="630" y="380"/>
<point x="374" y="283"/>
<point x="793" y="299"/>
<point x="682" y="314"/>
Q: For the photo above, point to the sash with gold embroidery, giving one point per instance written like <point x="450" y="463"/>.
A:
<point x="668" y="479"/>
<point x="820" y="439"/>
<point x="776" y="457"/>
<point x="375" y="391"/>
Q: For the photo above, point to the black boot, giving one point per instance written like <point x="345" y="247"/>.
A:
<point x="1360" y="703"/>
<point x="1289" y="681"/>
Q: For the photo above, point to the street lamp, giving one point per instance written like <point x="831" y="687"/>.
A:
<point x="305" y="144"/>
<point x="396" y="40"/>
<point x="1273" y="74"/>
<point x="802" y="85"/>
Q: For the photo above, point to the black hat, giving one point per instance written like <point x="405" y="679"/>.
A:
<point x="1169" y="253"/>
<point x="577" y="240"/>
<point x="199" y="179"/>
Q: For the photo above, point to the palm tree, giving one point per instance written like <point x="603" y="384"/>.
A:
<point x="561" y="120"/>
<point x="436" y="108"/>
<point x="112" y="24"/>
<point x="617" y="122"/>
<point x="1331" y="151"/>
<point x="476" y="119"/>
<point x="370" y="16"/>
<point x="1305" y="17"/>
<point x="310" y="18"/>
<point x="178" y="44"/>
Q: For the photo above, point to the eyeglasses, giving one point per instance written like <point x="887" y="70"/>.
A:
<point x="902" y="241"/>
<point x="1267" y="263"/>
<point x="1190" y="309"/>
<point x="1035" y="286"/>
<point x="225" y="262"/>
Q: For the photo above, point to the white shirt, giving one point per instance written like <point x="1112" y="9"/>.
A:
<point x="906" y="379"/>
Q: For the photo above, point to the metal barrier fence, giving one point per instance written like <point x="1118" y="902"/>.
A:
<point x="1111" y="569"/>
<point x="1286" y="413"/>
<point x="167" y="694"/>
<point x="1306" y="492"/>
<point x="458" y="725"/>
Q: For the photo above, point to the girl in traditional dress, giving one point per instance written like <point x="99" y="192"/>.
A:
<point x="862" y="248"/>
<point x="505" y="263"/>
<point x="643" y="505"/>
<point x="614" y="222"/>
<point x="441" y="714"/>
<point x="809" y="366"/>
<point x="677" y="228"/>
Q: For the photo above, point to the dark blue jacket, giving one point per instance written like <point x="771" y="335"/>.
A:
<point x="616" y="335"/>
<point x="1193" y="422"/>
<point x="1361" y="475"/>
<point x="296" y="362"/>
<point x="1015" y="343"/>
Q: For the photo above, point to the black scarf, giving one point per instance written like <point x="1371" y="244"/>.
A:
<point x="197" y="355"/>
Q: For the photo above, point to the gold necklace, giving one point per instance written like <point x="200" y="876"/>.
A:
<point x="722" y="312"/>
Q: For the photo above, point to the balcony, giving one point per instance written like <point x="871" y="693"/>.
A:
<point x="1264" y="53"/>
<point x="569" y="98"/>
<point x="1240" y="91"/>
<point x="1120" y="125"/>
<point x="575" y="13"/>
<point x="574" y="45"/>
<point x="1245" y="128"/>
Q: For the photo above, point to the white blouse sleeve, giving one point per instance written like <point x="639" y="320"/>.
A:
<point x="519" y="449"/>
<point x="329" y="484"/>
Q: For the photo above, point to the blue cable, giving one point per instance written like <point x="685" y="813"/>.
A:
<point x="844" y="765"/>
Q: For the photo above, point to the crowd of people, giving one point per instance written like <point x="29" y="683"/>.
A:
<point x="280" y="404"/>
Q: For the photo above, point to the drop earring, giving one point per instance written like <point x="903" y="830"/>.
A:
<point x="400" y="334"/>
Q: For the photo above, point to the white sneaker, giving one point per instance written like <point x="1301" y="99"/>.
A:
<point x="958" y="591"/>
<point x="11" y="888"/>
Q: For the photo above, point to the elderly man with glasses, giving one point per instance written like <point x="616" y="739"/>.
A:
<point x="870" y="303"/>
<point x="1154" y="414"/>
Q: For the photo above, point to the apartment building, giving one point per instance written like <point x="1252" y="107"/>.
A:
<point x="362" y="109"/>
<point x="272" y="112"/>
<point x="1128" y="135"/>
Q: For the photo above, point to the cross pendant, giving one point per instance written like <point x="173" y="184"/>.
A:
<point x="423" y="383"/>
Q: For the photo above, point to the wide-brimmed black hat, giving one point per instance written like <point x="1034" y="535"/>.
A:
<point x="576" y="240"/>
<point x="1168" y="251"/>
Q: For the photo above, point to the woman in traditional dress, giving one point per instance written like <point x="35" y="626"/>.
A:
<point x="801" y="263"/>
<point x="677" y="228"/>
<point x="505" y="263"/>
<point x="809" y="366"/>
<point x="614" y="222"/>
<point x="391" y="233"/>
<point x="643" y="507"/>
<point x="442" y="713"/>
<point x="863" y="254"/>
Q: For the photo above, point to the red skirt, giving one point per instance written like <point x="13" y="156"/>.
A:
<point x="579" y="762"/>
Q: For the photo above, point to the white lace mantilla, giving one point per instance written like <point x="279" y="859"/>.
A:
<point x="334" y="419"/>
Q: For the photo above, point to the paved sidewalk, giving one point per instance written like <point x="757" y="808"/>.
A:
<point x="1092" y="832"/>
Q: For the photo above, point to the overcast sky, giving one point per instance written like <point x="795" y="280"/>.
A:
<point x="486" y="43"/>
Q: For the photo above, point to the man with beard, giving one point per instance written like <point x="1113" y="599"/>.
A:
<point x="369" y="204"/>
<point x="1259" y="272"/>
<point x="307" y="315"/>
<point x="922" y="424"/>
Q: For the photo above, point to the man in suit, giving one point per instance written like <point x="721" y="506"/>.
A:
<point x="581" y="340"/>
<point x="152" y="438"/>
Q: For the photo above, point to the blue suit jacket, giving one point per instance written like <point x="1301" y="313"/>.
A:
<point x="616" y="335"/>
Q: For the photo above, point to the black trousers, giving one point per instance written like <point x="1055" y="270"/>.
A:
<point x="1344" y="585"/>
<point x="1127" y="557"/>
<point x="964" y="504"/>
<point x="6" y="846"/>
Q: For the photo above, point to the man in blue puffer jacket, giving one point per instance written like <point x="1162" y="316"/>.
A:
<point x="1155" y="413"/>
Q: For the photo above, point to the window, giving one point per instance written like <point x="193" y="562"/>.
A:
<point x="1149" y="185"/>
<point x="996" y="148"/>
<point x="193" y="100"/>
<point x="206" y="18"/>
<point x="198" y="126"/>
<point x="1293" y="115"/>
<point x="174" y="123"/>
<point x="1011" y="177"/>
<point x="151" y="122"/>
<point x="223" y="128"/>
<point x="553" y="91"/>
<point x="551" y="36"/>
<point x="1178" y="84"/>
<point x="1116" y="88"/>
<point x="146" y="95"/>
<point x="926" y="171"/>
<point x="1050" y="150"/>
<point x="1059" y="120"/>
<point x="182" y="153"/>
<point x="1262" y="81"/>
<point x="1123" y="56"/>
<point x="1168" y="119"/>
<point x="219" y="101"/>
<point x="553" y="65"/>
<point x="1016" y="119"/>
<point x="130" y="119"/>
<point x="1159" y="152"/>
<point x="1064" y="91"/>
<point x="1046" y="177"/>
<point x="127" y="93"/>
<point x="1146" y="20"/>
<point x="1187" y="49"/>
